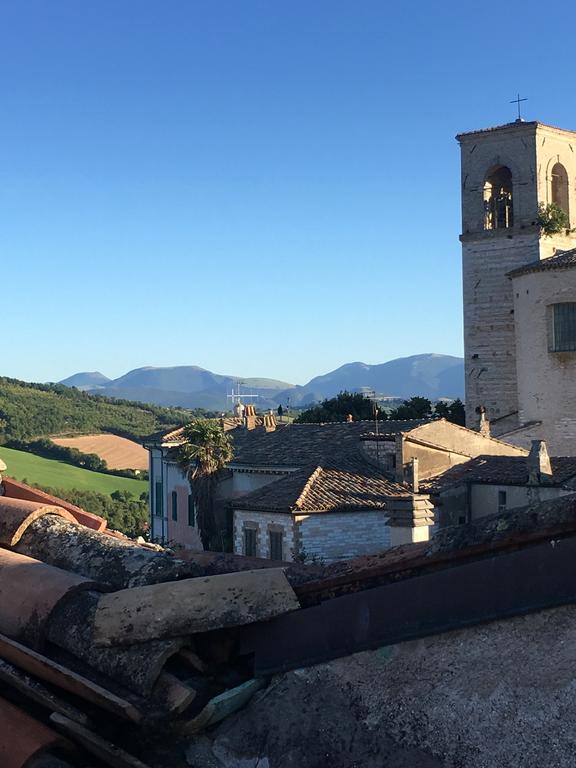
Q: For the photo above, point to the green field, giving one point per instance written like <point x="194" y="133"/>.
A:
<point x="55" y="474"/>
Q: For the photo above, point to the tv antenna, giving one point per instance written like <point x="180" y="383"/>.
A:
<point x="236" y="396"/>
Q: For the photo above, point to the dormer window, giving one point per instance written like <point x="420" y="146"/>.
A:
<point x="498" y="207"/>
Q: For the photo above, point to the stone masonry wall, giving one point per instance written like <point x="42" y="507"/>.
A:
<point x="546" y="379"/>
<point x="339" y="536"/>
<point x="264" y="522"/>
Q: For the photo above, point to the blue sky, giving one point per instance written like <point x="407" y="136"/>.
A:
<point x="259" y="187"/>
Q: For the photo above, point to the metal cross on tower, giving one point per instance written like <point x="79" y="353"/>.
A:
<point x="517" y="101"/>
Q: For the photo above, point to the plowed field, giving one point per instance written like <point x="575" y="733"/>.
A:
<point x="117" y="452"/>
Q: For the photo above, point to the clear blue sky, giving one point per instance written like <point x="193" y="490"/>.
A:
<point x="259" y="187"/>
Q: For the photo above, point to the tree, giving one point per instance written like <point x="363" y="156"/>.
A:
<point x="552" y="219"/>
<point x="204" y="452"/>
<point x="415" y="408"/>
<point x="453" y="412"/>
<point x="338" y="408"/>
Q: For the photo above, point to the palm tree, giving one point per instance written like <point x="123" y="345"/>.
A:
<point x="205" y="451"/>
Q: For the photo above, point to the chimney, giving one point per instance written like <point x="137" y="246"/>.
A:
<point x="409" y="518"/>
<point x="413" y="479"/>
<point x="484" y="424"/>
<point x="538" y="463"/>
<point x="249" y="416"/>
<point x="269" y="422"/>
<point x="349" y="418"/>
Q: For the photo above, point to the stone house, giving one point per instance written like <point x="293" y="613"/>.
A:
<point x="329" y="513"/>
<point x="490" y="485"/>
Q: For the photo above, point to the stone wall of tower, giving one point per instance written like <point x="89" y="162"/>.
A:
<point x="489" y="338"/>
<point x="487" y="256"/>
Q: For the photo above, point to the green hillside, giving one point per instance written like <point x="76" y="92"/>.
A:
<point x="37" y="410"/>
<point x="55" y="474"/>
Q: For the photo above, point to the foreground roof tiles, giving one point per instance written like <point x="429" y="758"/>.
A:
<point x="23" y="738"/>
<point x="82" y="684"/>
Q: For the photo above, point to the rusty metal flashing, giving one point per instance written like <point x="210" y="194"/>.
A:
<point x="499" y="586"/>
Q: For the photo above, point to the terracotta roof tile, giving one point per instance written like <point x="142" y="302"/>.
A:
<point x="560" y="260"/>
<point x="17" y="490"/>
<point x="324" y="489"/>
<point x="501" y="470"/>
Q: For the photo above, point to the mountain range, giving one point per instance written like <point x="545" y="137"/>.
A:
<point x="189" y="386"/>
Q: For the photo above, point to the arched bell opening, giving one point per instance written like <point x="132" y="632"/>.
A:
<point x="560" y="188"/>
<point x="498" y="203"/>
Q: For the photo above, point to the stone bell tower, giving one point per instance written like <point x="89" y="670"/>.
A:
<point x="507" y="172"/>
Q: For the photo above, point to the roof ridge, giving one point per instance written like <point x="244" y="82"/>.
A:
<point x="307" y="486"/>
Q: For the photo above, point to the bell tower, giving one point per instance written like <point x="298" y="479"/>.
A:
<point x="507" y="173"/>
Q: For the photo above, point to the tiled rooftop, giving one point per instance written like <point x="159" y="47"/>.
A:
<point x="560" y="260"/>
<point x="327" y="488"/>
<point x="301" y="445"/>
<point x="513" y="124"/>
<point x="501" y="470"/>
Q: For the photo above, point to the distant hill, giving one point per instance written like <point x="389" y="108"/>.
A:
<point x="86" y="380"/>
<point x="189" y="386"/>
<point x="428" y="375"/>
<point x="40" y="410"/>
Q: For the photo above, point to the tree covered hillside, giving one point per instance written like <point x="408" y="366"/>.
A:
<point x="35" y="410"/>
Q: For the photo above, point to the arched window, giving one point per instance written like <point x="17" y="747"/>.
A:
<point x="560" y="188"/>
<point x="498" y="208"/>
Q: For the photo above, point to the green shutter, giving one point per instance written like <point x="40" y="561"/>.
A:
<point x="174" y="505"/>
<point x="276" y="545"/>
<point x="158" y="498"/>
<point x="564" y="327"/>
<point x="191" y="510"/>
<point x="250" y="545"/>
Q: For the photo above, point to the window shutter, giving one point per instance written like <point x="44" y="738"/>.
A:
<point x="564" y="327"/>
<point x="276" y="545"/>
<point x="158" y="499"/>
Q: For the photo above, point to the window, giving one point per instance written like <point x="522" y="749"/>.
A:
<point x="250" y="547"/>
<point x="560" y="188"/>
<point x="158" y="498"/>
<point x="501" y="501"/>
<point x="174" y="505"/>
<point x="191" y="510"/>
<point x="563" y="328"/>
<point x="276" y="545"/>
<point x="498" y="208"/>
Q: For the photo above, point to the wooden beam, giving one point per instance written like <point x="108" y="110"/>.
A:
<point x="104" y="750"/>
<point x="51" y="672"/>
<point x="38" y="693"/>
